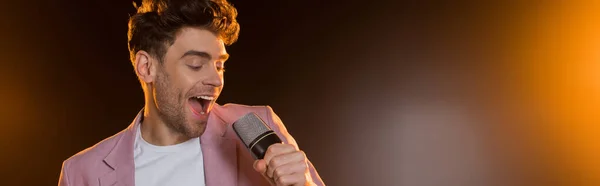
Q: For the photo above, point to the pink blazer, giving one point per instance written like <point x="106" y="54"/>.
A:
<point x="227" y="162"/>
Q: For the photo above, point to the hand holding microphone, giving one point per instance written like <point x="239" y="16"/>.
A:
<point x="282" y="164"/>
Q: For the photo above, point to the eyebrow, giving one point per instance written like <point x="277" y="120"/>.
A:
<point x="206" y="55"/>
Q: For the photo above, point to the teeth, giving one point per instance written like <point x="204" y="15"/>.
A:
<point x="210" y="98"/>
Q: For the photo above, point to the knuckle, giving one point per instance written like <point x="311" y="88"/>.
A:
<point x="275" y="161"/>
<point x="279" y="172"/>
<point x="301" y="153"/>
<point x="283" y="180"/>
<point x="271" y="149"/>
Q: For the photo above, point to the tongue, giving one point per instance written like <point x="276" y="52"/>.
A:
<point x="197" y="106"/>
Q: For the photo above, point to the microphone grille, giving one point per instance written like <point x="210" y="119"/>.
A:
<point x="249" y="127"/>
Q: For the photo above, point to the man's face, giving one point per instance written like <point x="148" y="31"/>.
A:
<point x="189" y="80"/>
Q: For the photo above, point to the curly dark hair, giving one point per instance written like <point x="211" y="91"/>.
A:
<point x="154" y="26"/>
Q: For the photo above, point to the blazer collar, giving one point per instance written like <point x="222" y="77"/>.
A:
<point x="218" y="150"/>
<point x="120" y="158"/>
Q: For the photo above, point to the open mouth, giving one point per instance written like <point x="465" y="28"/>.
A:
<point x="201" y="104"/>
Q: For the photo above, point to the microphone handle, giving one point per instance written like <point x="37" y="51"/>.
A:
<point x="259" y="146"/>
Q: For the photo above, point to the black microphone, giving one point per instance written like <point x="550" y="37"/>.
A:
<point x="255" y="134"/>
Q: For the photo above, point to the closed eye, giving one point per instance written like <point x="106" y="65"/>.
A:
<point x="195" y="68"/>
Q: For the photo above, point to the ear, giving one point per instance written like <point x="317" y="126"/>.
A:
<point x="145" y="66"/>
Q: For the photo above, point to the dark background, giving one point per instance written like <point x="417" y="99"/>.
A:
<point x="375" y="92"/>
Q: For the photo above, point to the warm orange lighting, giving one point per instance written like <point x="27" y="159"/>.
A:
<point x="561" y="69"/>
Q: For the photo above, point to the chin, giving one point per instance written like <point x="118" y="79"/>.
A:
<point x="196" y="129"/>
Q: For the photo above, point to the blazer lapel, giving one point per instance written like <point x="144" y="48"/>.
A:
<point x="120" y="158"/>
<point x="219" y="153"/>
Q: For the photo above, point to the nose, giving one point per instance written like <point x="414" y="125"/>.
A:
<point x="214" y="78"/>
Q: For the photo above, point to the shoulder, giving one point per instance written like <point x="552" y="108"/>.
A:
<point x="92" y="155"/>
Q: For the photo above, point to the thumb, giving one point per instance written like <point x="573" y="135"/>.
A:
<point x="260" y="166"/>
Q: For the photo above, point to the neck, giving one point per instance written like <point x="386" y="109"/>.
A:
<point x="155" y="131"/>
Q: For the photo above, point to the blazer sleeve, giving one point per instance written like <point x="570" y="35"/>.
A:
<point x="277" y="125"/>
<point x="63" y="180"/>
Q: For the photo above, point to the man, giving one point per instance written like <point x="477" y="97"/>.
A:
<point x="182" y="137"/>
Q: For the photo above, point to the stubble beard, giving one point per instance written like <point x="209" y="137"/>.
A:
<point x="170" y="103"/>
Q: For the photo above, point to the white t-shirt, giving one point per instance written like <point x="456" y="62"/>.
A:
<point x="179" y="164"/>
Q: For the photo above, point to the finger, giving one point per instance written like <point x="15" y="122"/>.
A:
<point x="260" y="166"/>
<point x="289" y="169"/>
<point x="292" y="179"/>
<point x="284" y="159"/>
<point x="277" y="149"/>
